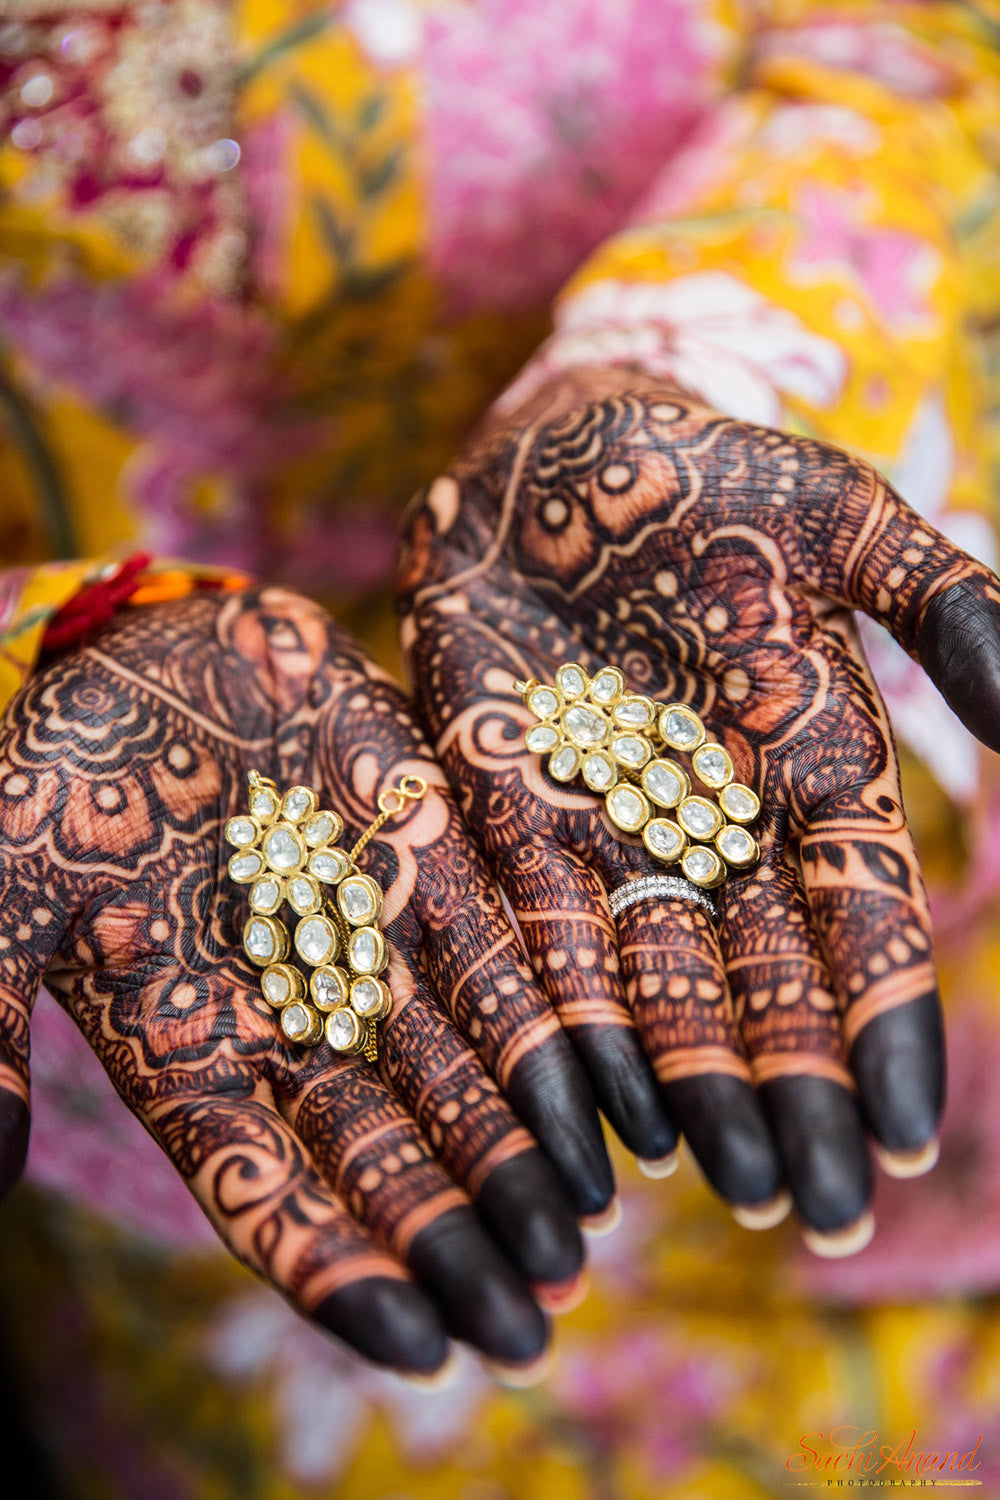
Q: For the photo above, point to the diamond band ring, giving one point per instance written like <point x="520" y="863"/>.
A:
<point x="655" y="888"/>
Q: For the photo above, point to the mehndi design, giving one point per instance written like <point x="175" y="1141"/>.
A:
<point x="340" y="1182"/>
<point x="717" y="564"/>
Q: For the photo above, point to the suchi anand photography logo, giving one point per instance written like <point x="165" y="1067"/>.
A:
<point x="849" y="1458"/>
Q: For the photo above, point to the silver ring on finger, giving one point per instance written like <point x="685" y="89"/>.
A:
<point x="658" y="888"/>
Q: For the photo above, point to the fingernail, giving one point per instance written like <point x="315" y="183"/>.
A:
<point x="562" y="1298"/>
<point x="908" y="1163"/>
<point x="659" y="1166"/>
<point x="597" y="1224"/>
<point x="437" y="1380"/>
<point x="763" y="1215"/>
<point x="519" y="1377"/>
<point x="840" y="1242"/>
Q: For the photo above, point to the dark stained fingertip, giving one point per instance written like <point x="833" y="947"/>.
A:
<point x="898" y="1060"/>
<point x="550" y="1092"/>
<point x="15" y="1128"/>
<point x="723" y="1123"/>
<point x="626" y="1089"/>
<point x="477" y="1294"/>
<point x="389" y="1322"/>
<point x="820" y="1134"/>
<point x="959" y="648"/>
<point x="565" y="1298"/>
<point x="522" y="1203"/>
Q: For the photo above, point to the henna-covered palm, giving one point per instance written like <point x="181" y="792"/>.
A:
<point x="617" y="520"/>
<point x="392" y="1204"/>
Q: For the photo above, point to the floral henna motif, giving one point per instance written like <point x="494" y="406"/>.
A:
<point x="120" y="766"/>
<point x="717" y="564"/>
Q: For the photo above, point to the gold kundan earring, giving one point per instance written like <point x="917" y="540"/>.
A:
<point x="615" y="742"/>
<point x="286" y="852"/>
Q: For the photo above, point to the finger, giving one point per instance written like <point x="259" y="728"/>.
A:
<point x="529" y="828"/>
<point x="256" y="1183"/>
<point x="19" y="980"/>
<point x="868" y="904"/>
<point x="958" y="645"/>
<point x="790" y="1024"/>
<point x="444" y="904"/>
<point x="477" y="1137"/>
<point x="676" y="983"/>
<point x="378" y="1163"/>
<point x="474" y="963"/>
<point x="571" y="941"/>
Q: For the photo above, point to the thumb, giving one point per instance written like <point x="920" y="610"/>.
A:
<point x="868" y="549"/>
<point x="958" y="646"/>
<point x="31" y="928"/>
<point x="20" y="975"/>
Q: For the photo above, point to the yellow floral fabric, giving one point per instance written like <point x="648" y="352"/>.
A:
<point x="29" y="597"/>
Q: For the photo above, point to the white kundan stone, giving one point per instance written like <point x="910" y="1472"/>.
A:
<point x="329" y="987"/>
<point x="541" y="738"/>
<point x="664" y="783"/>
<point x="599" y="771"/>
<point x="627" y="808"/>
<point x="358" y="901"/>
<point x="259" y="940"/>
<point x="365" y="950"/>
<point x="630" y="750"/>
<point x="316" y="940"/>
<point x="295" y="1021"/>
<point x="328" y="865"/>
<point x="297" y="803"/>
<point x="342" y="1030"/>
<point x="282" y="848"/>
<point x="633" y="713"/>
<point x="681" y="728"/>
<point x="263" y="805"/>
<point x="736" y="845"/>
<point x="265" y="894"/>
<point x="713" y="765"/>
<point x="571" y="680"/>
<point x="543" y="702"/>
<point x="246" y="867"/>
<point x="700" y="864"/>
<point x="563" y="764"/>
<point x="303" y="894"/>
<point x="608" y="683"/>
<point x="367" y="996"/>
<point x="739" y="802"/>
<point x="276" y="986"/>
<point x="664" y="839"/>
<point x="584" y="726"/>
<point x="241" y="831"/>
<point x="321" y="829"/>
<point x="698" y="818"/>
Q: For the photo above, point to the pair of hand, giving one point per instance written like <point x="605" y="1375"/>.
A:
<point x="613" y="521"/>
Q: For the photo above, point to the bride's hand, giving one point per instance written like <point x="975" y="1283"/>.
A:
<point x="393" y="1204"/>
<point x="616" y="520"/>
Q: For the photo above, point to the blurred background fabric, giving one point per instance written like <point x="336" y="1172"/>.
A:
<point x="262" y="265"/>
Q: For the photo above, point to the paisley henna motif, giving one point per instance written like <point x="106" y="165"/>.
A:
<point x="339" y="1183"/>
<point x="716" y="563"/>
